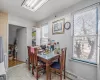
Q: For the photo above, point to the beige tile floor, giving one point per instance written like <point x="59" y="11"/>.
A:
<point x="20" y="72"/>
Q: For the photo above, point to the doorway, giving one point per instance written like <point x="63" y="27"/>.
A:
<point x="17" y="45"/>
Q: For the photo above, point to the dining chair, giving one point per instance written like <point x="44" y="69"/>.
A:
<point x="59" y="67"/>
<point x="28" y="47"/>
<point x="38" y="65"/>
<point x="30" y="58"/>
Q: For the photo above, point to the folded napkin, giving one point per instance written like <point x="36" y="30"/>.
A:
<point x="32" y="49"/>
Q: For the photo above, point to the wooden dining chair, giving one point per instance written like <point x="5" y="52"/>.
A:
<point x="28" y="47"/>
<point x="30" y="58"/>
<point x="38" y="65"/>
<point x="59" y="67"/>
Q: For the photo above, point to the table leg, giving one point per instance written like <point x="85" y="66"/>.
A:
<point x="47" y="71"/>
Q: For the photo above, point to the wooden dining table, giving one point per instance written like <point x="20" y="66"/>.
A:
<point x="48" y="59"/>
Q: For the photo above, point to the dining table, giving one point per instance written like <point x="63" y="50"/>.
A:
<point x="48" y="58"/>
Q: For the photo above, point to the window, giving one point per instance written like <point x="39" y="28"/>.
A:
<point x="85" y="35"/>
<point x="44" y="29"/>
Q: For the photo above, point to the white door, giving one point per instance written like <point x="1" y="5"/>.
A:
<point x="21" y="44"/>
<point x="38" y="36"/>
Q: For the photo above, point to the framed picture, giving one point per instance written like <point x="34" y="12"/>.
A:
<point x="58" y="26"/>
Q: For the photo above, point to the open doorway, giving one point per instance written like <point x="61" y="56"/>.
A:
<point x="17" y="45"/>
<point x="33" y="36"/>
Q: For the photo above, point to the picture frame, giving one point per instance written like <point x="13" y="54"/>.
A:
<point x="58" y="26"/>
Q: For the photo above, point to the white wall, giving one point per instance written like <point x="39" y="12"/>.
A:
<point x="12" y="36"/>
<point x="12" y="33"/>
<point x="86" y="71"/>
<point x="23" y="23"/>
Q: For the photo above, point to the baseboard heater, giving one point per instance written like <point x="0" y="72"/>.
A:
<point x="73" y="76"/>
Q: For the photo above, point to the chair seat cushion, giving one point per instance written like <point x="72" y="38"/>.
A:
<point x="55" y="65"/>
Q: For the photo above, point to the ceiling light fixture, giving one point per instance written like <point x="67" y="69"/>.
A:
<point x="33" y="5"/>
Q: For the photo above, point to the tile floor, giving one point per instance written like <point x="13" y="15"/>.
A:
<point x="20" y="72"/>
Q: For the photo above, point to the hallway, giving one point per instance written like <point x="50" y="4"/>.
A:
<point x="14" y="63"/>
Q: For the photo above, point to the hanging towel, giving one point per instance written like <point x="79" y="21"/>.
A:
<point x="1" y="50"/>
<point x="32" y="49"/>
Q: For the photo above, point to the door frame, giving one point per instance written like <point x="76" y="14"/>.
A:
<point x="8" y="41"/>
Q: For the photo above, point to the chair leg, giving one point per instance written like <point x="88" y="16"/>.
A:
<point x="28" y="64"/>
<point x="36" y="73"/>
<point x="60" y="75"/>
<point x="33" y="70"/>
<point x="50" y="75"/>
<point x="64" y="74"/>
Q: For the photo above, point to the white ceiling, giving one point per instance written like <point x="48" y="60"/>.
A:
<point x="51" y="7"/>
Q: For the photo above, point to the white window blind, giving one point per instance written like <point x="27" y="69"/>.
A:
<point x="45" y="31"/>
<point x="85" y="35"/>
<point x="44" y="38"/>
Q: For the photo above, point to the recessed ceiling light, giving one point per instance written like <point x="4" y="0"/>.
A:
<point x="33" y="5"/>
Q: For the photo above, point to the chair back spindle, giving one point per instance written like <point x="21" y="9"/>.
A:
<point x="30" y="57"/>
<point x="35" y="56"/>
<point x="63" y="59"/>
